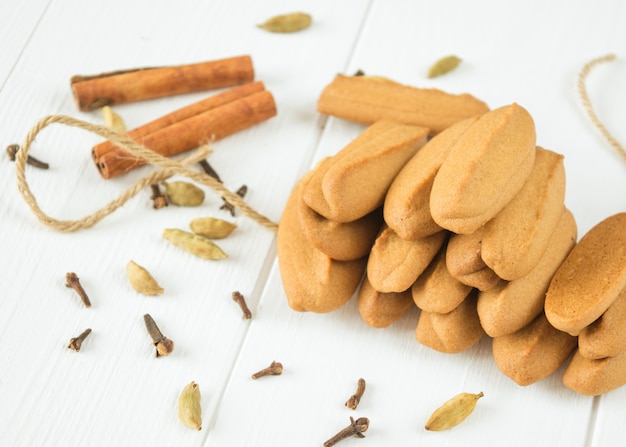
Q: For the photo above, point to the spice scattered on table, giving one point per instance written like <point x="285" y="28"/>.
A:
<point x="113" y="120"/>
<point x="141" y="280"/>
<point x="183" y="193"/>
<point x="164" y="346"/>
<point x="239" y="299"/>
<point x="76" y="342"/>
<point x="287" y="23"/>
<point x="275" y="369"/>
<point x="453" y="412"/>
<point x="212" y="227"/>
<point x="356" y="428"/>
<point x="73" y="281"/>
<point x="157" y="197"/>
<point x="241" y="192"/>
<point x="355" y="399"/>
<point x="189" y="409"/>
<point x="12" y="150"/>
<point x="443" y="66"/>
<point x="194" y="244"/>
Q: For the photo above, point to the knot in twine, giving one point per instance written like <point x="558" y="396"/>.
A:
<point x="168" y="169"/>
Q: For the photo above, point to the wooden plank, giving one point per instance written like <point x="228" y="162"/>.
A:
<point x="528" y="53"/>
<point x="114" y="391"/>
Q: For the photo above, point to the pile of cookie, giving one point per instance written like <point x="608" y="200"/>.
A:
<point x="465" y="220"/>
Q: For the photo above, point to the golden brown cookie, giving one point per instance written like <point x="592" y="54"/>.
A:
<point x="366" y="100"/>
<point x="407" y="205"/>
<point x="436" y="290"/>
<point x="394" y="264"/>
<point x="485" y="169"/>
<point x="605" y="337"/>
<point x="354" y="182"/>
<point x="380" y="309"/>
<point x="465" y="264"/>
<point x="512" y="305"/>
<point x="533" y="352"/>
<point x="516" y="238"/>
<point x="453" y="332"/>
<point x="341" y="241"/>
<point x="590" y="278"/>
<point x="311" y="279"/>
<point x="595" y="377"/>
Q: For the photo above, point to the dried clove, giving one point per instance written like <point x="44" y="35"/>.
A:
<point x="241" y="192"/>
<point x="239" y="299"/>
<point x="76" y="342"/>
<point x="158" y="199"/>
<point x="356" y="428"/>
<point x="12" y="150"/>
<point x="72" y="281"/>
<point x="275" y="369"/>
<point x="354" y="400"/>
<point x="208" y="169"/>
<point x="164" y="346"/>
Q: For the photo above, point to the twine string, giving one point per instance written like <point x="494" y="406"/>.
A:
<point x="582" y="90"/>
<point x="168" y="169"/>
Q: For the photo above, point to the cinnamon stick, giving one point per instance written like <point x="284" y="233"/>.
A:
<point x="181" y="136"/>
<point x="123" y="86"/>
<point x="186" y="112"/>
<point x="366" y="100"/>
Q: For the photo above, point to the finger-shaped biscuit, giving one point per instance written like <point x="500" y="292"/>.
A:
<point x="512" y="305"/>
<point x="516" y="238"/>
<point x="595" y="377"/>
<point x="534" y="352"/>
<point x="464" y="262"/>
<point x="366" y="100"/>
<point x="311" y="279"/>
<point x="356" y="179"/>
<point x="605" y="336"/>
<point x="436" y="290"/>
<point x="407" y="205"/>
<point x="379" y="309"/>
<point x="453" y="332"/>
<point x="485" y="169"/>
<point x="590" y="278"/>
<point x="394" y="264"/>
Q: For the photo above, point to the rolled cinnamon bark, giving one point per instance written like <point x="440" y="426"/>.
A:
<point x="187" y="134"/>
<point x="119" y="87"/>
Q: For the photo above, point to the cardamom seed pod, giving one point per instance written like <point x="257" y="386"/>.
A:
<point x="141" y="280"/>
<point x="189" y="409"/>
<point x="184" y="193"/>
<point x="113" y="120"/>
<point x="443" y="66"/>
<point x="287" y="23"/>
<point x="453" y="412"/>
<point x="194" y="243"/>
<point x="212" y="227"/>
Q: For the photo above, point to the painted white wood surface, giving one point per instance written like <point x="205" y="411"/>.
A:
<point x="114" y="392"/>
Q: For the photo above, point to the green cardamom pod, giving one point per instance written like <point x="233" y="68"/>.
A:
<point x="194" y="243"/>
<point x="287" y="23"/>
<point x="184" y="193"/>
<point x="453" y="412"/>
<point x="189" y="409"/>
<point x="212" y="227"/>
<point x="141" y="280"/>
<point x="443" y="66"/>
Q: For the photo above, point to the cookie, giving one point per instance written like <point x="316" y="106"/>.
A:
<point x="464" y="262"/>
<point x="595" y="377"/>
<point x="485" y="169"/>
<point x="512" y="305"/>
<point x="394" y="264"/>
<point x="436" y="290"/>
<point x="407" y="205"/>
<point x="453" y="332"/>
<point x="354" y="182"/>
<point x="516" y="238"/>
<point x="590" y="278"/>
<point x="311" y="279"/>
<point x="366" y="100"/>
<point x="605" y="336"/>
<point x="533" y="352"/>
<point x="379" y="309"/>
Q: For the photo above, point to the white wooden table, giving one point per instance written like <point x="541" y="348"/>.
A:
<point x="114" y="392"/>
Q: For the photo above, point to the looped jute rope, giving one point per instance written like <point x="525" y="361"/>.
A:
<point x="169" y="168"/>
<point x="582" y="90"/>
